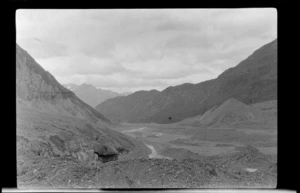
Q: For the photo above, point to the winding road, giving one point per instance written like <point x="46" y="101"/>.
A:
<point x="133" y="130"/>
<point x="154" y="153"/>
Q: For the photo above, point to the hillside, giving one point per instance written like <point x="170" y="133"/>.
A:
<point x="52" y="123"/>
<point x="253" y="80"/>
<point x="231" y="111"/>
<point x="90" y="94"/>
<point x="38" y="88"/>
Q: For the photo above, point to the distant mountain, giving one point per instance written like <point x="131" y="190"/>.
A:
<point x="71" y="86"/>
<point x="251" y="81"/>
<point x="90" y="94"/>
<point x="39" y="88"/>
<point x="126" y="93"/>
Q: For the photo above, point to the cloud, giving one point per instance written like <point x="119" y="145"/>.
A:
<point x="121" y="80"/>
<point x="100" y="49"/>
<point x="245" y="23"/>
<point x="188" y="41"/>
<point x="85" y="65"/>
<point x="43" y="48"/>
<point x="57" y="66"/>
<point x="80" y="65"/>
<point x="166" y="68"/>
<point x="177" y="26"/>
<point x="142" y="48"/>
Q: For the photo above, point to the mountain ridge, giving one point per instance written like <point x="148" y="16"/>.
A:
<point x="37" y="87"/>
<point x="252" y="80"/>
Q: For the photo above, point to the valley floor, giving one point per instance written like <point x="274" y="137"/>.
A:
<point x="144" y="173"/>
<point x="164" y="156"/>
<point x="200" y="141"/>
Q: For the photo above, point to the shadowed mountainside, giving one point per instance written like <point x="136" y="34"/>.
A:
<point x="251" y="81"/>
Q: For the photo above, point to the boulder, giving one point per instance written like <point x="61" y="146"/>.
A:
<point x="106" y="153"/>
<point x="105" y="150"/>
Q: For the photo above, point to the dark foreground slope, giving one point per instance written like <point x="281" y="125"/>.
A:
<point x="251" y="81"/>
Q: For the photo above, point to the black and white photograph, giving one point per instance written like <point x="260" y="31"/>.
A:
<point x="146" y="98"/>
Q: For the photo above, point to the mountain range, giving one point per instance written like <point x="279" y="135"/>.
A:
<point x="253" y="80"/>
<point x="90" y="94"/>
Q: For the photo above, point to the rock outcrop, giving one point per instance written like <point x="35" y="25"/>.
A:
<point x="106" y="153"/>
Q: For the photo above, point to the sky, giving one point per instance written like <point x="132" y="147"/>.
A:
<point x="126" y="50"/>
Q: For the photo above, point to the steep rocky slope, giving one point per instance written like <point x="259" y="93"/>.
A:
<point x="251" y="81"/>
<point x="53" y="123"/>
<point x="39" y="88"/>
<point x="90" y="94"/>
